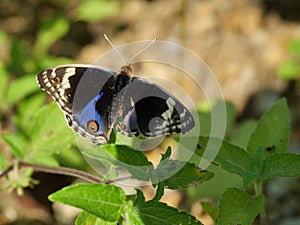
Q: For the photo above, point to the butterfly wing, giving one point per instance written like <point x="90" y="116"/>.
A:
<point x="85" y="94"/>
<point x="149" y="110"/>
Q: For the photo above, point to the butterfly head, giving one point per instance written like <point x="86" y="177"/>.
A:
<point x="126" y="70"/>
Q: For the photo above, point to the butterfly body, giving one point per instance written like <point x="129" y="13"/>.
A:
<point x="95" y="100"/>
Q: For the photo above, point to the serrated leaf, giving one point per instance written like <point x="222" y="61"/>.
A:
<point x="134" y="161"/>
<point x="17" y="144"/>
<point x="273" y="130"/>
<point x="158" y="213"/>
<point x="211" y="209"/>
<point x="85" y="218"/>
<point x="230" y="157"/>
<point x="281" y="165"/>
<point x="237" y="207"/>
<point x="188" y="175"/>
<point x="102" y="200"/>
<point x="21" y="87"/>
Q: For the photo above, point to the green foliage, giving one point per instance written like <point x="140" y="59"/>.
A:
<point x="290" y="69"/>
<point x="102" y="200"/>
<point x="3" y="164"/>
<point x="256" y="150"/>
<point x="272" y="131"/>
<point x="43" y="135"/>
<point x="86" y="218"/>
<point x="211" y="209"/>
<point x="93" y="10"/>
<point x="48" y="136"/>
<point x="52" y="29"/>
<point x="158" y="213"/>
<point x="237" y="207"/>
<point x="20" y="88"/>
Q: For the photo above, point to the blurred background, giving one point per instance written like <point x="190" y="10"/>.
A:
<point x="252" y="47"/>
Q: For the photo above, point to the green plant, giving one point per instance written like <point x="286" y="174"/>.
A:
<point x="290" y="69"/>
<point x="102" y="202"/>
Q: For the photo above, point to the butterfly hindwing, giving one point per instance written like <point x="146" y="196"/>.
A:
<point x="149" y="110"/>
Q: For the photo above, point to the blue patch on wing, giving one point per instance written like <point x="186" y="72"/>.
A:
<point x="89" y="113"/>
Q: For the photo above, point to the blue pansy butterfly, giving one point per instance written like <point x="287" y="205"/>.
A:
<point x="96" y="99"/>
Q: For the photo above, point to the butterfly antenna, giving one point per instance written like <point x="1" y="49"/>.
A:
<point x="139" y="52"/>
<point x="105" y="36"/>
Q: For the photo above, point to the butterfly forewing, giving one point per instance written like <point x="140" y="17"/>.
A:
<point x="85" y="95"/>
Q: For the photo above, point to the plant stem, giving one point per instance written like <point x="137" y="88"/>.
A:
<point x="258" y="188"/>
<point x="57" y="170"/>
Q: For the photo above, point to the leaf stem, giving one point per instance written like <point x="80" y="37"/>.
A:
<point x="258" y="188"/>
<point x="159" y="191"/>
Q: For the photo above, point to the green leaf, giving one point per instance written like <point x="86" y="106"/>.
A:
<point x="255" y="167"/>
<point x="243" y="133"/>
<point x="19" y="55"/>
<point x="256" y="162"/>
<point x="158" y="213"/>
<point x="188" y="175"/>
<point x="281" y="165"/>
<point x="3" y="37"/>
<point x="17" y="144"/>
<point x="21" y="87"/>
<point x="160" y="190"/>
<point x="204" y="116"/>
<point x="50" y="132"/>
<point x="139" y="199"/>
<point x="273" y="130"/>
<point x="294" y="47"/>
<point x="211" y="209"/>
<point x="102" y="200"/>
<point x="132" y="215"/>
<point x="86" y="218"/>
<point x="53" y="28"/>
<point x="237" y="207"/>
<point x="166" y="155"/>
<point x="134" y="161"/>
<point x="3" y="164"/>
<point x="27" y="111"/>
<point x="43" y="159"/>
<point x="288" y="70"/>
<point x="48" y="61"/>
<point x="3" y="83"/>
<point x="230" y="157"/>
<point x="93" y="10"/>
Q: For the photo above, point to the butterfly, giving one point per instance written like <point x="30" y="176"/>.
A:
<point x="95" y="100"/>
